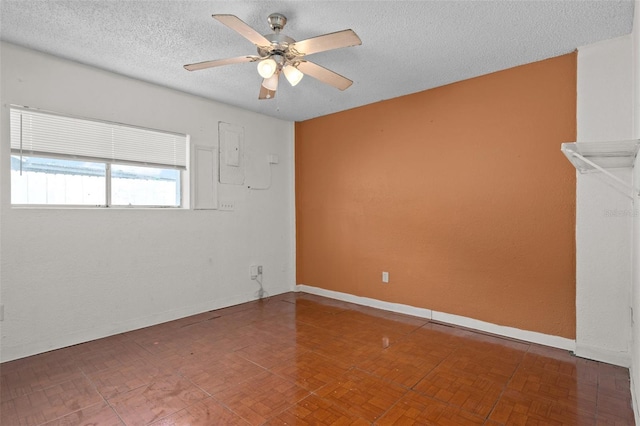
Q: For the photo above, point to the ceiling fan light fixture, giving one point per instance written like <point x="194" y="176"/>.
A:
<point x="293" y="74"/>
<point x="271" y="83"/>
<point x="267" y="67"/>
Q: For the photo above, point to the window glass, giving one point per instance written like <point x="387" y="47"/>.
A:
<point x="144" y="186"/>
<point x="36" y="180"/>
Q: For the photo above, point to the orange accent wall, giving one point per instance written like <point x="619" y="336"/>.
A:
<point x="461" y="193"/>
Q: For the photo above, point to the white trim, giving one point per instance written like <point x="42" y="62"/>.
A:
<point x="511" y="332"/>
<point x="622" y="359"/>
<point x="292" y="208"/>
<point x="365" y="301"/>
<point x="514" y="333"/>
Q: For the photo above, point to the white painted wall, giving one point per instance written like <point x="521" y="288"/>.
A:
<point x="72" y="275"/>
<point x="604" y="241"/>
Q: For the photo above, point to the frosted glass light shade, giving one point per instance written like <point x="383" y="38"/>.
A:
<point x="267" y="67"/>
<point x="271" y="83"/>
<point x="293" y="74"/>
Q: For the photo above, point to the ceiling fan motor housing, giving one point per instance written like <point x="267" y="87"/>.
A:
<point x="279" y="50"/>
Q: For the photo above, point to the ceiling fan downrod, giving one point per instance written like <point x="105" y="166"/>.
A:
<point x="277" y="21"/>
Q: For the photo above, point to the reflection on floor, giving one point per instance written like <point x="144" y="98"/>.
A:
<point x="300" y="359"/>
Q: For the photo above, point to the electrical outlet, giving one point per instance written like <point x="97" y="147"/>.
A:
<point x="226" y="206"/>
<point x="256" y="270"/>
<point x="385" y="277"/>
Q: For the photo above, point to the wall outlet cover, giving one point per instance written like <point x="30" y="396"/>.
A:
<point x="226" y="206"/>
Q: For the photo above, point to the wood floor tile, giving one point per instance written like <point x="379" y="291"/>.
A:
<point x="320" y="303"/>
<point x="467" y="391"/>
<point x="99" y="414"/>
<point x="115" y="381"/>
<point x="218" y="374"/>
<point x="156" y="400"/>
<point x="561" y="362"/>
<point x="9" y="414"/>
<point x="614" y="409"/>
<point x="355" y="323"/>
<point x="311" y="336"/>
<point x="482" y="365"/>
<point x="518" y="408"/>
<point x="116" y="355"/>
<point x="614" y="421"/>
<point x="303" y="359"/>
<point x="582" y="395"/>
<point x="431" y="340"/>
<point x="315" y="411"/>
<point x="400" y="368"/>
<point x="267" y="396"/>
<point x="310" y="370"/>
<point x="416" y="409"/>
<point x="495" y="345"/>
<point x="392" y="320"/>
<point x="281" y="326"/>
<point x="49" y="404"/>
<point x="362" y="394"/>
<point x="319" y="317"/>
<point x="376" y="336"/>
<point x="613" y="382"/>
<point x="203" y="413"/>
<point x="98" y="345"/>
<point x="271" y="353"/>
<point x="348" y="352"/>
<point x="51" y="359"/>
<point x="38" y="375"/>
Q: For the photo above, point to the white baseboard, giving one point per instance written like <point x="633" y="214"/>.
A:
<point x="514" y="333"/>
<point x="365" y="301"/>
<point x="623" y="359"/>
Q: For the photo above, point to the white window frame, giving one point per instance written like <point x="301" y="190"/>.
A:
<point x="128" y="158"/>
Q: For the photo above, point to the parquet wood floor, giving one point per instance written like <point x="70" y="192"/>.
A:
<point x="300" y="359"/>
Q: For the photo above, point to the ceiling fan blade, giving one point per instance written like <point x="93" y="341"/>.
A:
<point x="243" y="29"/>
<point x="266" y="93"/>
<point x="329" y="41"/>
<point x="324" y="75"/>
<point x="220" y="62"/>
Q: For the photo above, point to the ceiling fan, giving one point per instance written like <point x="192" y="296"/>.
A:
<point x="280" y="54"/>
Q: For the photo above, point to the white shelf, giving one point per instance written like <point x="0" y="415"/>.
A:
<point x="608" y="155"/>
<point x="600" y="156"/>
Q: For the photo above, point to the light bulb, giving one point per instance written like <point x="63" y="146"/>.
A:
<point x="267" y="67"/>
<point x="271" y="83"/>
<point x="293" y="74"/>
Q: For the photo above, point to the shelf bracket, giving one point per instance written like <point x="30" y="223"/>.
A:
<point x="607" y="173"/>
<point x="600" y="156"/>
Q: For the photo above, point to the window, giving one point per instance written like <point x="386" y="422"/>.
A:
<point x="61" y="160"/>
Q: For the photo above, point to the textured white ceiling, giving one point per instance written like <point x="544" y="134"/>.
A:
<point x="407" y="46"/>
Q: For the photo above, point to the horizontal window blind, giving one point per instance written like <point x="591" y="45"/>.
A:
<point x="41" y="133"/>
